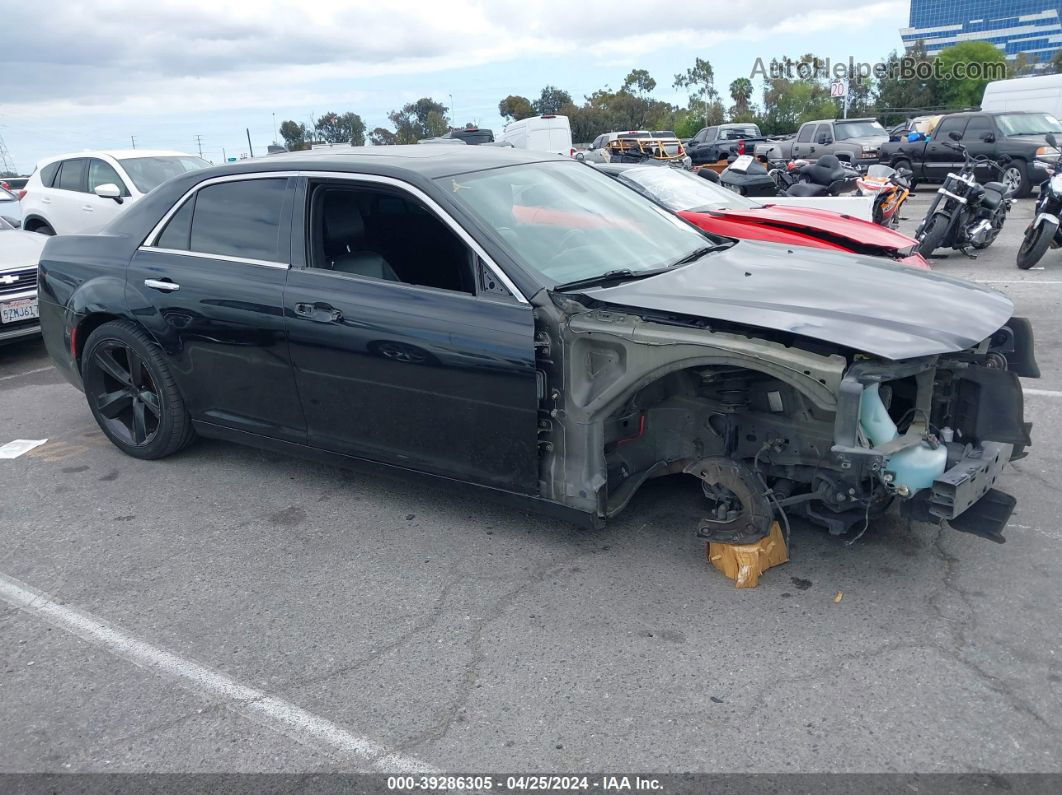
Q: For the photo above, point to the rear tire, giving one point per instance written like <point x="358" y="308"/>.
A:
<point x="44" y="229"/>
<point x="934" y="236"/>
<point x="132" y="394"/>
<point x="1034" y="245"/>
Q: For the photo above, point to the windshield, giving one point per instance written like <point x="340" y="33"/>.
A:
<point x="148" y="173"/>
<point x="568" y="222"/>
<point x="1028" y="124"/>
<point x="683" y="190"/>
<point x="858" y="129"/>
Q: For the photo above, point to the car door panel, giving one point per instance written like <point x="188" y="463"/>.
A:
<point x="99" y="210"/>
<point x="222" y="325"/>
<point x="940" y="160"/>
<point x="433" y="380"/>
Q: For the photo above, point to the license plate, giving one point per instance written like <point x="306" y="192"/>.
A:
<point x="14" y="311"/>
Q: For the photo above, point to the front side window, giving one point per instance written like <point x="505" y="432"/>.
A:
<point x="680" y="190"/>
<point x="239" y="219"/>
<point x="568" y="222"/>
<point x="71" y="175"/>
<point x="148" y="173"/>
<point x="950" y="125"/>
<point x="379" y="233"/>
<point x="100" y="172"/>
<point x="846" y="130"/>
<point x="978" y="127"/>
<point x="1028" y="124"/>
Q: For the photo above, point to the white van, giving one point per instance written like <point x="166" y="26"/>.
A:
<point x="1039" y="94"/>
<point x="550" y="133"/>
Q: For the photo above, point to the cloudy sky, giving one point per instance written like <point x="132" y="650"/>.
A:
<point x="76" y="75"/>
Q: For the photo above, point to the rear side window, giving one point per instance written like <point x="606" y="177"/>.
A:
<point x="805" y="133"/>
<point x="71" y="175"/>
<point x="178" y="231"/>
<point x="240" y="219"/>
<point x="48" y="173"/>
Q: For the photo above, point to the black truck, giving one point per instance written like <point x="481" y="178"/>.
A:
<point x="1017" y="134"/>
<point x="720" y="141"/>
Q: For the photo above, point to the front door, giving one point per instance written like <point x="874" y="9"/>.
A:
<point x="941" y="160"/>
<point x="210" y="289"/>
<point x="98" y="211"/>
<point x="404" y="351"/>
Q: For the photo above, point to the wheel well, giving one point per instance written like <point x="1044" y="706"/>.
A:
<point x="33" y="223"/>
<point x="84" y="330"/>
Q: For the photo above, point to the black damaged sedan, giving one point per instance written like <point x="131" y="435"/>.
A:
<point x="522" y="323"/>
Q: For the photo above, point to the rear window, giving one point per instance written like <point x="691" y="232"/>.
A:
<point x="148" y="173"/>
<point x="240" y="219"/>
<point x="71" y="175"/>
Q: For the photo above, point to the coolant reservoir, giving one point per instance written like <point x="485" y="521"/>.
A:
<point x="914" y="468"/>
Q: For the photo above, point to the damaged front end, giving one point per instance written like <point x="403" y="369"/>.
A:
<point x="773" y="425"/>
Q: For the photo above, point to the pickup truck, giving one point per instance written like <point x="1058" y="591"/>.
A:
<point x="720" y="141"/>
<point x="854" y="140"/>
<point x="1017" y="134"/>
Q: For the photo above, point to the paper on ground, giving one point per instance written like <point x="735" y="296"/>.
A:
<point x="19" y="446"/>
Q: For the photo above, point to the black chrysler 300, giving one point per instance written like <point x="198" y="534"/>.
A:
<point x="520" y="322"/>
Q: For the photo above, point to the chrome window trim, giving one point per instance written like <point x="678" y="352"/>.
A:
<point x="224" y="257"/>
<point x="435" y="208"/>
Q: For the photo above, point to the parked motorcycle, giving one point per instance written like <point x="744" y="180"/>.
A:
<point x="890" y="189"/>
<point x="964" y="214"/>
<point x="749" y="177"/>
<point x="1043" y="231"/>
<point x="827" y="176"/>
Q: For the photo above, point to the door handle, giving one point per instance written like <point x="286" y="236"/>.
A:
<point x="320" y="313"/>
<point x="162" y="284"/>
<point x="87" y="208"/>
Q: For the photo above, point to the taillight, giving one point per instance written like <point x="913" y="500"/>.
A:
<point x="21" y="194"/>
<point x="741" y="147"/>
<point x="571" y="152"/>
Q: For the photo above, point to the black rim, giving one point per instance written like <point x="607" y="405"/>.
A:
<point x="124" y="394"/>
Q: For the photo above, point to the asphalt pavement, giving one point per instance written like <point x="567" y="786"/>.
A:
<point x="232" y="610"/>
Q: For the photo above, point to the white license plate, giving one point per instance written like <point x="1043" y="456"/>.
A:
<point x="14" y="311"/>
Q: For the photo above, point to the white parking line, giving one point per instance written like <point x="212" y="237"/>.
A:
<point x="1044" y="392"/>
<point x="28" y="372"/>
<point x="276" y="713"/>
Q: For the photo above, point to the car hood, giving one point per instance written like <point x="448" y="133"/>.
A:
<point x="19" y="250"/>
<point x="821" y="223"/>
<point x="864" y="303"/>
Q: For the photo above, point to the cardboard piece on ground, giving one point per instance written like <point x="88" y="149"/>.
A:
<point x="744" y="563"/>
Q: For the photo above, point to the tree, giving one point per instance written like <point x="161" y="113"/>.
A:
<point x="551" y="100"/>
<point x="909" y="82"/>
<point x="424" y="118"/>
<point x="741" y="92"/>
<point x="964" y="91"/>
<point x="346" y="128"/>
<point x="700" y="81"/>
<point x="514" y="108"/>
<point x="294" y="135"/>
<point x="1056" y="63"/>
<point x="383" y="137"/>
<point x="638" y="82"/>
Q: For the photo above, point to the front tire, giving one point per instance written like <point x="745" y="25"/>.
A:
<point x="132" y="394"/>
<point x="934" y="236"/>
<point x="1035" y="243"/>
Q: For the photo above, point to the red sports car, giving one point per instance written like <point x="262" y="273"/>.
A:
<point x="723" y="212"/>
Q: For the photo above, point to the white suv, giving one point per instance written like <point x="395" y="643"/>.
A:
<point x="81" y="193"/>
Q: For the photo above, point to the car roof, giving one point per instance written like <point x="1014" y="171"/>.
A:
<point x="427" y="161"/>
<point x="117" y="154"/>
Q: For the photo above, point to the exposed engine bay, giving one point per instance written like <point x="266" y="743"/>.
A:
<point x="775" y="426"/>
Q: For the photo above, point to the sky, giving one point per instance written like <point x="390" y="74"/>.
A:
<point x="100" y="75"/>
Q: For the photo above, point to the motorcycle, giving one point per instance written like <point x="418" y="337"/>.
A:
<point x="748" y="177"/>
<point x="965" y="214"/>
<point x="827" y="176"/>
<point x="1043" y="231"/>
<point x="890" y="189"/>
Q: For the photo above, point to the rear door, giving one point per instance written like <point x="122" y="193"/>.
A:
<point x="209" y="286"/>
<point x="941" y="159"/>
<point x="65" y="200"/>
<point x="408" y="348"/>
<point x="803" y="143"/>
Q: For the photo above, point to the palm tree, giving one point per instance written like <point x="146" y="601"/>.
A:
<point x="741" y="93"/>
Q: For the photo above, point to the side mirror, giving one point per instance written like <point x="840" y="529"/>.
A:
<point x="989" y="138"/>
<point x="1051" y="140"/>
<point x="954" y="135"/>
<point x="108" y="190"/>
